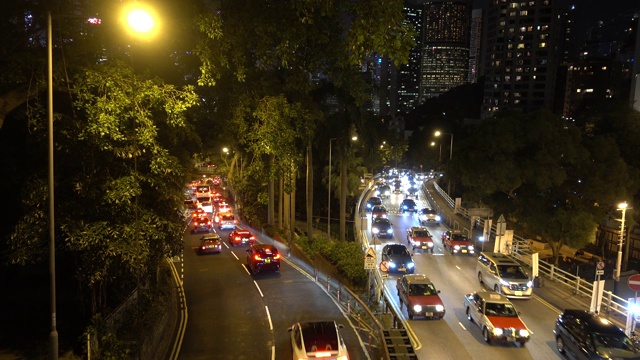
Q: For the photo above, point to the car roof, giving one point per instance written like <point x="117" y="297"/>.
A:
<point x="499" y="258"/>
<point x="261" y="247"/>
<point x="242" y="231"/>
<point x="210" y="237"/>
<point x="419" y="228"/>
<point x="593" y="321"/>
<point x="381" y="219"/>
<point x="494" y="297"/>
<point x="409" y="200"/>
<point x="416" y="279"/>
<point x="394" y="246"/>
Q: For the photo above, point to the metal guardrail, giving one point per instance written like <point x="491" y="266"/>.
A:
<point x="612" y="304"/>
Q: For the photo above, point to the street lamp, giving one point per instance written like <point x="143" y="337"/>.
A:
<point x="433" y="143"/>
<point x="136" y="18"/>
<point x="438" y="133"/>
<point x="623" y="207"/>
<point x="353" y="138"/>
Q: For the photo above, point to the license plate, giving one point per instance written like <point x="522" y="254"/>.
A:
<point x="511" y="338"/>
<point x="424" y="247"/>
<point x="267" y="260"/>
<point x="518" y="293"/>
<point x="402" y="269"/>
<point x="428" y="314"/>
<point x="464" y="250"/>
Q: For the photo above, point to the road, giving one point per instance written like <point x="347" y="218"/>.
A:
<point x="233" y="314"/>
<point x="455" y="337"/>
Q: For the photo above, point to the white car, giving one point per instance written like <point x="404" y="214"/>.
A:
<point x="223" y="207"/>
<point x="318" y="339"/>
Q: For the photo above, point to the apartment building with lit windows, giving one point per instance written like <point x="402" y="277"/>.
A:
<point x="524" y="47"/>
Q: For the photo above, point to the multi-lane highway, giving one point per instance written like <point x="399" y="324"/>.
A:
<point x="233" y="314"/>
<point x="455" y="337"/>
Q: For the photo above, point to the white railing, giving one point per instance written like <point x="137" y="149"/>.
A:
<point x="611" y="303"/>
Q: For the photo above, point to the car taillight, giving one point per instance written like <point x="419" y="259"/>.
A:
<point x="203" y="247"/>
<point x="257" y="257"/>
<point x="252" y="238"/>
<point x="237" y="237"/>
<point x="321" y="354"/>
<point x="235" y="221"/>
<point x="277" y="256"/>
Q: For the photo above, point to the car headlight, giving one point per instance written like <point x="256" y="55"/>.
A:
<point x="417" y="243"/>
<point x="530" y="284"/>
<point x="404" y="207"/>
<point x="437" y="217"/>
<point x="369" y="206"/>
<point x="390" y="231"/>
<point x="375" y="230"/>
<point x="384" y="216"/>
<point x="423" y="217"/>
<point x="523" y="333"/>
<point x="504" y="283"/>
<point x="430" y="244"/>
<point x="470" y="247"/>
<point x="410" y="265"/>
<point x="417" y="308"/>
<point x="497" y="331"/>
<point x="456" y="247"/>
<point x="439" y="308"/>
<point x="387" y="192"/>
<point x="392" y="264"/>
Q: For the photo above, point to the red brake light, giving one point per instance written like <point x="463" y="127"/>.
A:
<point x="277" y="256"/>
<point x="323" y="354"/>
<point x="237" y="237"/>
<point x="257" y="257"/>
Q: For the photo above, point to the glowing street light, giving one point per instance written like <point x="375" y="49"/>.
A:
<point x="140" y="20"/>
<point x="438" y="133"/>
<point x="623" y="207"/>
<point x="433" y="143"/>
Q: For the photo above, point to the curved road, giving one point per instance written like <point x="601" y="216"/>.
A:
<point x="233" y="314"/>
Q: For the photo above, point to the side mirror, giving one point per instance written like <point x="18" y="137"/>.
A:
<point x="438" y="291"/>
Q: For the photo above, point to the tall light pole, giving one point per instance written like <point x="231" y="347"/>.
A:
<point x="134" y="18"/>
<point x="438" y="133"/>
<point x="353" y="138"/>
<point x="433" y="143"/>
<point x="623" y="207"/>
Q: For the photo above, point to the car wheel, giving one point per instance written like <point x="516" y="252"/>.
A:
<point x="560" y="345"/>
<point x="496" y="289"/>
<point x="480" y="277"/>
<point x="469" y="315"/>
<point x="486" y="336"/>
<point x="521" y="343"/>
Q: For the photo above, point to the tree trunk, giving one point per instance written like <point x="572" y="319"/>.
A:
<point x="343" y="198"/>
<point x="292" y="199"/>
<point x="309" y="194"/>
<point x="271" y="194"/>
<point x="281" y="204"/>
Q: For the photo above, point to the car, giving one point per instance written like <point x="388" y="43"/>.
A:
<point x="226" y="220"/>
<point x="384" y="191"/>
<point x="398" y="258"/>
<point x="191" y="205"/>
<point x="224" y="207"/>
<point x="241" y="237"/>
<point x="202" y="224"/>
<point x="397" y="187"/>
<point x="263" y="257"/>
<point x="210" y="244"/>
<point x="198" y="213"/>
<point x="317" y="340"/>
<point x="412" y="192"/>
<point x="420" y="237"/>
<point x="496" y="316"/>
<point x="408" y="205"/>
<point x="202" y="190"/>
<point x="381" y="227"/>
<point x="217" y="197"/>
<point x="428" y="216"/>
<point x="373" y="201"/>
<point x="378" y="211"/>
<point x="586" y="335"/>
<point x="504" y="275"/>
<point x="457" y="242"/>
<point x="420" y="296"/>
<point x="206" y="203"/>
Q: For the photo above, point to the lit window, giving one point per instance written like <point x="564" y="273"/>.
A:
<point x="604" y="68"/>
<point x="543" y="45"/>
<point x="589" y="90"/>
<point x="578" y="90"/>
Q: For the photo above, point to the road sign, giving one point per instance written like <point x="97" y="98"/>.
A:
<point x="634" y="282"/>
<point x="600" y="265"/>
<point x="384" y="267"/>
<point x="370" y="259"/>
<point x="599" y="272"/>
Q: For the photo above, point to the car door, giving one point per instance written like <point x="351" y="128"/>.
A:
<point x="476" y="309"/>
<point x="403" y="292"/>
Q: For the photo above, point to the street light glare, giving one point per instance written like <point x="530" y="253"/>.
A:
<point x="622" y="205"/>
<point x="437" y="133"/>
<point x="140" y="21"/>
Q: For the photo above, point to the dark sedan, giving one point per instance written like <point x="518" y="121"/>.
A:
<point x="381" y="227"/>
<point x="398" y="258"/>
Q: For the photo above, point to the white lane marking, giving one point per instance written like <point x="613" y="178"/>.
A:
<point x="273" y="352"/>
<point x="258" y="287"/>
<point x="458" y="267"/>
<point x="462" y="326"/>
<point x="266" y="308"/>
<point x="234" y="255"/>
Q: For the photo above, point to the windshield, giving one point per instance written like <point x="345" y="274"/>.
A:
<point x="500" y="309"/>
<point x="422" y="289"/>
<point x="614" y="346"/>
<point x="512" y="272"/>
<point x="421" y="233"/>
<point x="398" y="250"/>
<point x="459" y="237"/>
<point x="227" y="217"/>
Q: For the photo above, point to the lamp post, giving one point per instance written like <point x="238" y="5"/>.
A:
<point x="623" y="207"/>
<point x="353" y="138"/>
<point x="438" y="133"/>
<point x="140" y="21"/>
<point x="433" y="143"/>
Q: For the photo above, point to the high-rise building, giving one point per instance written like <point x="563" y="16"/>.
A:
<point x="475" y="42"/>
<point x="445" y="46"/>
<point x="407" y="77"/>
<point x="524" y="49"/>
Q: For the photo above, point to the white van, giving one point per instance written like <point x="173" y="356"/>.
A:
<point x="504" y="275"/>
<point x="206" y="202"/>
